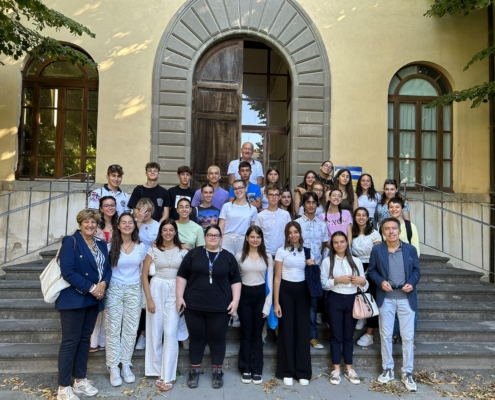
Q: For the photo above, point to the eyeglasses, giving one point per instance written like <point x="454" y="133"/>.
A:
<point x="108" y="205"/>
<point x="211" y="236"/>
<point x="318" y="190"/>
<point x="273" y="195"/>
<point x="236" y="189"/>
<point x="328" y="166"/>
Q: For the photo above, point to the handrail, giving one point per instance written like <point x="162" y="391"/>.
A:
<point x="73" y="187"/>
<point x="475" y="238"/>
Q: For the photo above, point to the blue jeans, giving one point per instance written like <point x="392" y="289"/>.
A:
<point x="406" y="322"/>
<point x="77" y="327"/>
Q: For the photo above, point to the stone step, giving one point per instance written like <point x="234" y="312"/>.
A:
<point x="24" y="272"/>
<point x="20" y="290"/>
<point x="484" y="292"/>
<point x="450" y="275"/>
<point x="33" y="358"/>
<point x="456" y="311"/>
<point x="27" y="309"/>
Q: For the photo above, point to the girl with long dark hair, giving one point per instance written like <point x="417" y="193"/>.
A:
<point x="123" y="301"/>
<point x="367" y="195"/>
<point x="341" y="275"/>
<point x="343" y="181"/>
<point x="291" y="301"/>
<point x="390" y="190"/>
<point x="272" y="177"/>
<point x="256" y="268"/>
<point x="335" y="217"/>
<point x="305" y="186"/>
<point x="162" y="318"/>
<point x="285" y="202"/>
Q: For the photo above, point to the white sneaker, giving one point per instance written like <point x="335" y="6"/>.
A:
<point x="127" y="374"/>
<point x="85" y="387"/>
<point x="408" y="382"/>
<point x="386" y="376"/>
<point x="304" y="382"/>
<point x="66" y="394"/>
<point x="141" y="343"/>
<point x="360" y="324"/>
<point x="235" y="321"/>
<point x="365" y="340"/>
<point x="335" y="377"/>
<point x="351" y="375"/>
<point x="185" y="344"/>
<point x="115" y="379"/>
<point x="319" y="319"/>
<point x="288" y="381"/>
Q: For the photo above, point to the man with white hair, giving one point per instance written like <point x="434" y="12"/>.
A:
<point x="257" y="176"/>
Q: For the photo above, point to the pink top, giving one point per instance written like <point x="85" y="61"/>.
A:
<point x="333" y="224"/>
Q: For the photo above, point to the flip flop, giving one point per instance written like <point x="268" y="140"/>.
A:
<point x="164" y="387"/>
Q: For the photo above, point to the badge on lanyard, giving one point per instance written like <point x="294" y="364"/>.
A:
<point x="210" y="264"/>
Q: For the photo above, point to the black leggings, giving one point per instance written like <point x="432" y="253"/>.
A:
<point x="206" y="327"/>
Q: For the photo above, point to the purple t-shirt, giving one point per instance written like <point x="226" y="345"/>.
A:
<point x="333" y="222"/>
<point x="220" y="197"/>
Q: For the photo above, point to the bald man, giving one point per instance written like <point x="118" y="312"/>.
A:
<point x="257" y="176"/>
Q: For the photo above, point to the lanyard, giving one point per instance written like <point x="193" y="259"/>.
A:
<point x="210" y="264"/>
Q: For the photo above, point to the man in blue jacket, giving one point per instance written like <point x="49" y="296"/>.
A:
<point x="394" y="267"/>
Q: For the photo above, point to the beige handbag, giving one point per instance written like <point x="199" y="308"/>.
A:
<point x="52" y="282"/>
<point x="364" y="306"/>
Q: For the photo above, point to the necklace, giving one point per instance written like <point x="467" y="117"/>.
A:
<point x="126" y="249"/>
<point x="169" y="259"/>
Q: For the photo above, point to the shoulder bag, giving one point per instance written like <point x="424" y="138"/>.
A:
<point x="52" y="282"/>
<point x="364" y="305"/>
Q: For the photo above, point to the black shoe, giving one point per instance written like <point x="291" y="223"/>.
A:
<point x="193" y="381"/>
<point x="257" y="379"/>
<point x="246" y="377"/>
<point x="217" y="382"/>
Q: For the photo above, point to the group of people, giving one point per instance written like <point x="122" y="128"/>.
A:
<point x="163" y="266"/>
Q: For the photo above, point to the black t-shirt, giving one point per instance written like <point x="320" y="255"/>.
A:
<point x="200" y="295"/>
<point x="158" y="195"/>
<point x="174" y="195"/>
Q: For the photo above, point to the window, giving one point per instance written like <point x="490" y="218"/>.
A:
<point x="266" y="105"/>
<point x="419" y="138"/>
<point x="57" y="135"/>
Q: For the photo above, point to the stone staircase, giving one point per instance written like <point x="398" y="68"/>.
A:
<point x="456" y="327"/>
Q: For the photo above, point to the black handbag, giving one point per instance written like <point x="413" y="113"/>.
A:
<point x="312" y="274"/>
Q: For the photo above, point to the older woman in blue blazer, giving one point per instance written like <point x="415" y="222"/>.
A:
<point x="394" y="267"/>
<point x="84" y="264"/>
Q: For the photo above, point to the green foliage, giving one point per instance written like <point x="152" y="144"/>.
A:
<point x="477" y="94"/>
<point x="16" y="39"/>
<point x="442" y="7"/>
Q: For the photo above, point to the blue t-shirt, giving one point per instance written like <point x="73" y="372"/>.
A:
<point x="253" y="192"/>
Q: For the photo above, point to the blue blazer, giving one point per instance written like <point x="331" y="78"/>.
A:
<point x="79" y="269"/>
<point x="378" y="270"/>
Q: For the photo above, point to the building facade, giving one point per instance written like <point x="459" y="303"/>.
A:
<point x="187" y="82"/>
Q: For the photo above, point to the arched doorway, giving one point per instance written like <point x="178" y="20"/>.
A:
<point x="241" y="93"/>
<point x="281" y="24"/>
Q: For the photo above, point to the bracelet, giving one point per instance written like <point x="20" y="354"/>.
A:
<point x="92" y="289"/>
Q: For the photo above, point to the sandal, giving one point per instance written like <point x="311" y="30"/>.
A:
<point x="164" y="387"/>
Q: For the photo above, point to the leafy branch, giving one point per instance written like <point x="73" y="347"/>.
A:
<point x="16" y="39"/>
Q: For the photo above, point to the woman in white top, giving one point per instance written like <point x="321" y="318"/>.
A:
<point x="341" y="275"/>
<point x="367" y="195"/>
<point x="256" y="268"/>
<point x="148" y="227"/>
<point x="123" y="301"/>
<point x="190" y="233"/>
<point x="162" y="318"/>
<point x="364" y="237"/>
<point x="291" y="303"/>
<point x="272" y="177"/>
<point x="235" y="218"/>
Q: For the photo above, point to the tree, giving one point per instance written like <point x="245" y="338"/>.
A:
<point x="17" y="39"/>
<point x="480" y="93"/>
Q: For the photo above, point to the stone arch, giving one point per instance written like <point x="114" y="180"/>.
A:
<point x="281" y="24"/>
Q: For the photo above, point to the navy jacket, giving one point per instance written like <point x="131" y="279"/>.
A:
<point x="79" y="269"/>
<point x="378" y="270"/>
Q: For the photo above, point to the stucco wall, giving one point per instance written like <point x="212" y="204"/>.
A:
<point x="366" y="43"/>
